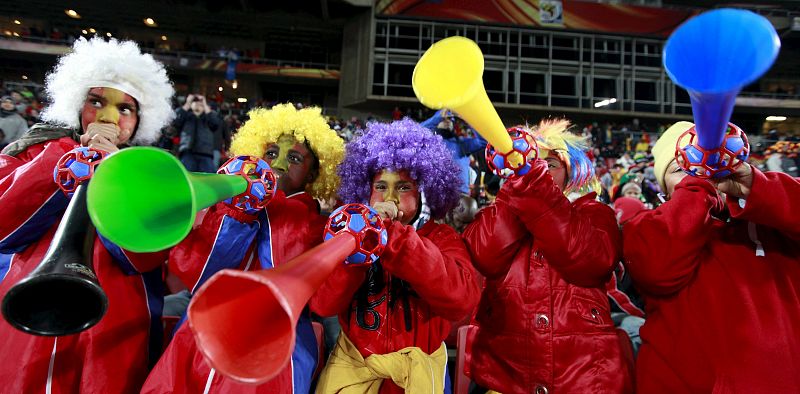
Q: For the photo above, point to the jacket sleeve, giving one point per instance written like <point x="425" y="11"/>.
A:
<point x="221" y="238"/>
<point x="773" y="202"/>
<point x="580" y="240"/>
<point x="473" y="144"/>
<point x="336" y="293"/>
<point x="663" y="247"/>
<point x="30" y="201"/>
<point x="437" y="267"/>
<point x="494" y="237"/>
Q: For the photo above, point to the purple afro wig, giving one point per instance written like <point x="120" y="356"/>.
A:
<point x="401" y="145"/>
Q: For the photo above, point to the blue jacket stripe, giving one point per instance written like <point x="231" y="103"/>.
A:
<point x="304" y="357"/>
<point x="36" y="225"/>
<point x="232" y="241"/>
<point x="154" y="291"/>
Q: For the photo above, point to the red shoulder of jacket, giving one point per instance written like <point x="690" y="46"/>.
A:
<point x="431" y="229"/>
<point x="305" y="198"/>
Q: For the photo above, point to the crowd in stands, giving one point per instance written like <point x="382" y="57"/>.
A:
<point x="621" y="150"/>
<point x="67" y="36"/>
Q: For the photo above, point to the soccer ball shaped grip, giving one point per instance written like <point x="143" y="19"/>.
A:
<point x="363" y="223"/>
<point x="261" y="183"/>
<point x="712" y="163"/>
<point x="523" y="144"/>
<point x="75" y="167"/>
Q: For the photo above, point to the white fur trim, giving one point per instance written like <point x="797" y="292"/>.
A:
<point x="121" y="65"/>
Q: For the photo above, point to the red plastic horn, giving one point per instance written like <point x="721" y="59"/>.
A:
<point x="244" y="322"/>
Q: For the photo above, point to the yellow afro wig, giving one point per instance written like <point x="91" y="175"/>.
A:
<point x="306" y="125"/>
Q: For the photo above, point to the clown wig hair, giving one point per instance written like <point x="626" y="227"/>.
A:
<point x="308" y="126"/>
<point x="553" y="135"/>
<point x="120" y="65"/>
<point x="401" y="145"/>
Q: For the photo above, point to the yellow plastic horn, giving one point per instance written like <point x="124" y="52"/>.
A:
<point x="450" y="75"/>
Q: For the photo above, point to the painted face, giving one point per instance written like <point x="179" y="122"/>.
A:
<point x="673" y="177"/>
<point x="557" y="170"/>
<point x="109" y="105"/>
<point x="293" y="163"/>
<point x="399" y="188"/>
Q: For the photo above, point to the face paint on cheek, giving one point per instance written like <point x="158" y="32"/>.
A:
<point x="88" y="115"/>
<point x="410" y="199"/>
<point x="409" y="203"/>
<point x="109" y="105"/>
<point x="285" y="143"/>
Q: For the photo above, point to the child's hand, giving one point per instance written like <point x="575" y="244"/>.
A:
<point x="388" y="210"/>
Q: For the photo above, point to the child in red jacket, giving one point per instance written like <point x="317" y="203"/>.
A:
<point x="544" y="323"/>
<point x="396" y="313"/>
<point x="303" y="152"/>
<point x="105" y="95"/>
<point x="721" y="278"/>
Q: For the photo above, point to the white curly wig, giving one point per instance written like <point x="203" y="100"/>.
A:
<point x="120" y="65"/>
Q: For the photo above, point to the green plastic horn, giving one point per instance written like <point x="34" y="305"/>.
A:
<point x="144" y="200"/>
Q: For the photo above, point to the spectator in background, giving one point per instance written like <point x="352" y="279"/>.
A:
<point x="607" y="180"/>
<point x="31" y="114"/>
<point x="197" y="130"/>
<point x="19" y="101"/>
<point x="644" y="143"/>
<point x="626" y="160"/>
<point x="632" y="190"/>
<point x="12" y="123"/>
<point x="222" y="140"/>
<point x="460" y="148"/>
<point x="3" y="144"/>
<point x="463" y="214"/>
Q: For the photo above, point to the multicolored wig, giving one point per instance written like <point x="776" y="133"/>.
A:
<point x="401" y="145"/>
<point x="552" y="135"/>
<point x="307" y="125"/>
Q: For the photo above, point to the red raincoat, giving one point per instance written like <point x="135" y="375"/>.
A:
<point x="544" y="324"/>
<point x="111" y="357"/>
<point x="226" y="238"/>
<point x="722" y="296"/>
<point x="422" y="281"/>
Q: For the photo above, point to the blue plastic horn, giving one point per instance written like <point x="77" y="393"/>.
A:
<point x="713" y="56"/>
